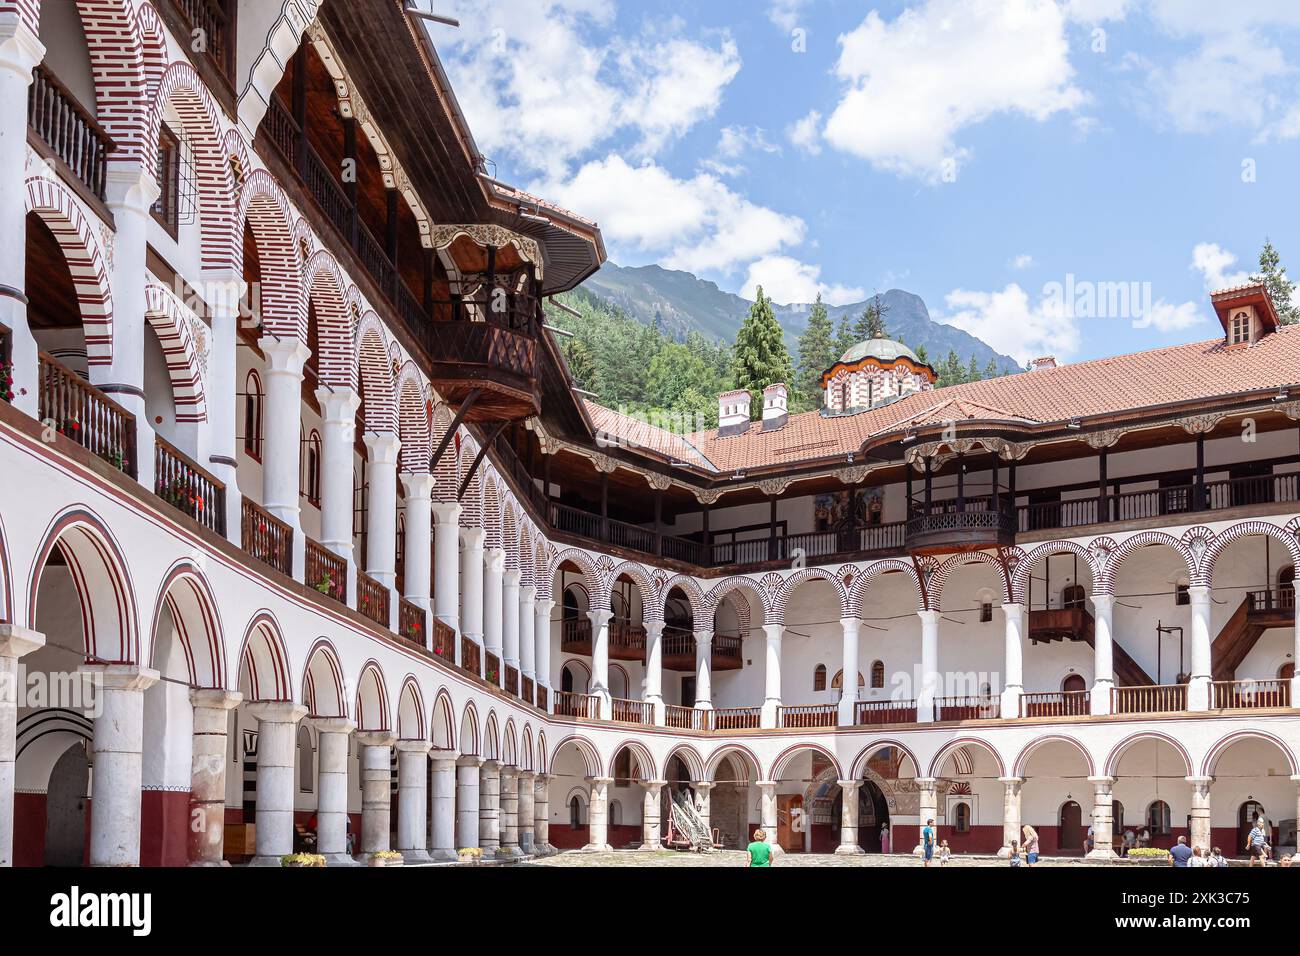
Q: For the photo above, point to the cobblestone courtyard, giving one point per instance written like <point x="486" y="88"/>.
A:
<point x="639" y="858"/>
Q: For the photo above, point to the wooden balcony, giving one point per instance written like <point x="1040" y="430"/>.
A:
<point x="1060" y="624"/>
<point x="188" y="488"/>
<point x="527" y="690"/>
<point x="870" y="713"/>
<point x="85" y="415"/>
<point x="626" y="640"/>
<point x="541" y="697"/>
<point x="582" y="706"/>
<point x="410" y="623"/>
<point x="632" y="711"/>
<point x="813" y="716"/>
<point x="1069" y="703"/>
<point x="943" y="527"/>
<point x="1250" y="694"/>
<point x="469" y="656"/>
<point x="444" y="641"/>
<point x="511" y="686"/>
<point x="1156" y="699"/>
<point x="79" y="144"/>
<point x="491" y="668"/>
<point x="685" y="718"/>
<point x="734" y="718"/>
<point x="267" y="538"/>
<point x="967" y="708"/>
<point x="326" y="572"/>
<point x="373" y="599"/>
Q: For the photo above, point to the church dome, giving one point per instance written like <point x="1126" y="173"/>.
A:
<point x="885" y="350"/>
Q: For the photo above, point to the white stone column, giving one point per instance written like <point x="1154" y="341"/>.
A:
<point x="489" y="806"/>
<point x="767" y="815"/>
<point x="376" y="790"/>
<point x="117" y="761"/>
<point x="1103" y="819"/>
<point x="333" y="735"/>
<point x="1295" y="658"/>
<point x="493" y="603"/>
<point x="704" y="802"/>
<point x="542" y="815"/>
<point x="1011" y="791"/>
<point x="442" y="822"/>
<point x="654" y="668"/>
<point x="338" y="409"/>
<point x="282" y="444"/>
<point x="15" y="643"/>
<point x="412" y="800"/>
<point x="277" y="746"/>
<point x="1198" y="690"/>
<point x="510" y="811"/>
<point x="600" y="619"/>
<point x="381" y="507"/>
<point x="772" y="676"/>
<point x="849" y="627"/>
<point x="527" y="638"/>
<point x="471" y="594"/>
<point x="418" y="548"/>
<point x="929" y="689"/>
<point x="1103" y="654"/>
<point x="208" y="774"/>
<point x="526" y="811"/>
<point x="20" y="51"/>
<point x="1013" y="683"/>
<point x="598" y="815"/>
<point x="542" y="638"/>
<point x="927" y="788"/>
<point x="224" y="417"/>
<point x="446" y="565"/>
<point x="849" y="845"/>
<point x="509" y="621"/>
<point x="1199" y="818"/>
<point x="650" y="806"/>
<point x="467" y="802"/>
<point x="129" y="192"/>
<point x="703" y="670"/>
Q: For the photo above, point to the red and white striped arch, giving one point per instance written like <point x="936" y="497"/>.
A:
<point x="324" y="288"/>
<point x="372" y="699"/>
<point x="189" y="599"/>
<point x="264" y="662"/>
<point x="471" y="515"/>
<point x="379" y="410"/>
<point x="173" y="321"/>
<point x="413" y="420"/>
<point x="446" y="477"/>
<point x="410" y="711"/>
<point x="264" y="210"/>
<point x="323" y="685"/>
<point x="72" y="231"/>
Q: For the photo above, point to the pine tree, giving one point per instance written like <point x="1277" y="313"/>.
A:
<point x="972" y="371"/>
<point x="760" y="357"/>
<point x="991" y="370"/>
<point x="923" y="354"/>
<point x="844" y="339"/>
<point x="1281" y="289"/>
<point x="581" y="366"/>
<point x="951" y="371"/>
<point x="871" y="324"/>
<point x="816" y="354"/>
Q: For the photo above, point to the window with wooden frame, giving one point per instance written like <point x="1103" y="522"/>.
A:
<point x="819" y="677"/>
<point x="311" y="468"/>
<point x="877" y="675"/>
<point x="166" y="208"/>
<point x="253" y="416"/>
<point x="961" y="817"/>
<point x="986" y="612"/>
<point x="1158" y="818"/>
<point x="1239" y="333"/>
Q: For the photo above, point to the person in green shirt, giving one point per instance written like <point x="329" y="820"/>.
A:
<point x="760" y="854"/>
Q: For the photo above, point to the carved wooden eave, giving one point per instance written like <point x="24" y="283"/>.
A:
<point x="1201" y="424"/>
<point x="490" y="234"/>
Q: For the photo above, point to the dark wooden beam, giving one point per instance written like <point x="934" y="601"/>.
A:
<point x="465" y="406"/>
<point x="482" y="453"/>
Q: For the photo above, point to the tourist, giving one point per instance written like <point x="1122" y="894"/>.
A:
<point x="1031" y="844"/>
<point x="1199" y="858"/>
<point x="1286" y="860"/>
<point x="1144" y="838"/>
<point x="884" y="838"/>
<point x="945" y="853"/>
<point x="1130" y="840"/>
<point x="1015" y="853"/>
<point x="1216" y="858"/>
<point x="760" y="854"/>
<point x="1090" y="841"/>
<point x="927" y="841"/>
<point x="1257" y="843"/>
<point x="1181" y="853"/>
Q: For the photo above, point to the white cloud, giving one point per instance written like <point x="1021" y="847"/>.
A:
<point x="734" y="142"/>
<point x="914" y="83"/>
<point x="1166" y="317"/>
<point x="698" y="224"/>
<point x="785" y="13"/>
<point x="1097" y="11"/>
<point x="1213" y="262"/>
<point x="1229" y="80"/>
<point x="805" y="134"/>
<point x="1011" y="324"/>
<point x="1022" y="261"/>
<point x="786" y="281"/>
<point x="544" y="82"/>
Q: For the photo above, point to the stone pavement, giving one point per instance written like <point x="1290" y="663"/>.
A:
<point x="738" y="858"/>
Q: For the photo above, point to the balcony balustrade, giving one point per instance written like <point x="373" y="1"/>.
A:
<point x="267" y="538"/>
<point x="1250" y="694"/>
<point x="373" y="599"/>
<point x="632" y="711"/>
<point x="79" y="143"/>
<point x="469" y="656"/>
<point x="582" y="706"/>
<point x="410" y="622"/>
<point x="326" y="572"/>
<point x="1154" y="699"/>
<point x="814" y="716"/>
<point x="180" y="482"/>
<point x="82" y="413"/>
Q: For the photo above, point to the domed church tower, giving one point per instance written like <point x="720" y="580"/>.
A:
<point x="874" y="373"/>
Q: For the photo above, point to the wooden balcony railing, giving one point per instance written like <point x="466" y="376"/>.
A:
<point x="816" y="715"/>
<point x="1155" y="699"/>
<point x="583" y="706"/>
<point x="1280" y="599"/>
<point x="410" y="622"/>
<point x="469" y="656"/>
<point x="326" y="571"/>
<point x="735" y="718"/>
<point x="527" y="690"/>
<point x="267" y="538"/>
<point x="1068" y="703"/>
<point x="492" y="668"/>
<point x="1250" y="694"/>
<point x="875" y="712"/>
<point x="575" y="634"/>
<point x="632" y="711"/>
<point x="211" y="17"/>
<point x="626" y="639"/>
<point x="967" y="708"/>
<point x="86" y="415"/>
<point x="444" y="641"/>
<point x="372" y="599"/>
<point x="541" y="697"/>
<point x="512" y="681"/>
<point x="727" y="646"/>
<point x="685" y="718"/>
<point x="677" y="642"/>
<point x="69" y="130"/>
<point x="188" y="488"/>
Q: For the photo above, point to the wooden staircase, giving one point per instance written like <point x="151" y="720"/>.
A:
<point x="1077" y="624"/>
<point x="1260" y="611"/>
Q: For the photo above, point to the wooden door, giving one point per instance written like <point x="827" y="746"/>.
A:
<point x="789" y="822"/>
<point x="1071" y="832"/>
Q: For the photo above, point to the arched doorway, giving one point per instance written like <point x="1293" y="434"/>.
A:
<point x="873" y="816"/>
<point x="1247" y="814"/>
<point x="1071" y="832"/>
<point x="65" y="808"/>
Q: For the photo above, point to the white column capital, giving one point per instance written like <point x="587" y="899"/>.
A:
<point x="705" y="785"/>
<point x="124" y="677"/>
<point x="338" y="405"/>
<point x="927" y="784"/>
<point x="511" y="577"/>
<point x="528" y="595"/>
<point x="447" y="512"/>
<point x="473" y="538"/>
<point x="376" y="738"/>
<point x="1103" y="600"/>
<point x="851" y="623"/>
<point x="494" y="560"/>
<point x="774" y="632"/>
<point x="284" y="356"/>
<point x="444" y="756"/>
<point x="544" y="606"/>
<point x="849" y="785"/>
<point x="469" y="760"/>
<point x="1102" y="783"/>
<point x="277" y="711"/>
<point x="382" y="449"/>
<point x="215" y="699"/>
<point x="600" y="618"/>
<point x="1203" y="783"/>
<point x="704" y="637"/>
<point x="413" y="746"/>
<point x="16" y="641"/>
<point x="130" y="185"/>
<point x="418" y="485"/>
<point x="654" y="785"/>
<point x="333" y="725"/>
<point x="1010" y="608"/>
<point x="20" y="48"/>
<point x="929" y="617"/>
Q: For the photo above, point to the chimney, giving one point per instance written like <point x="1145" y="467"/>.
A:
<point x="776" y="410"/>
<point x="733" y="413"/>
<point x="1042" y="364"/>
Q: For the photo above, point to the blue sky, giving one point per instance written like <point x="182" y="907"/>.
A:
<point x="976" y="152"/>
